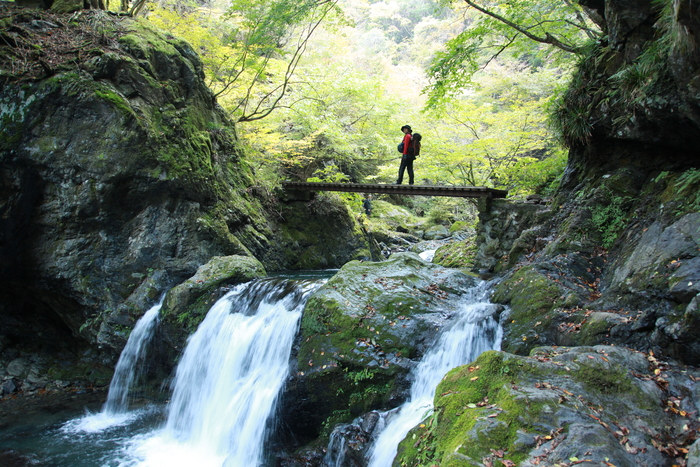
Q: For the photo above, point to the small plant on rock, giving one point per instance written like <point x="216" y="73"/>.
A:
<point x="609" y="219"/>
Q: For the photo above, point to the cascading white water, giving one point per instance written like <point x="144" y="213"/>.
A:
<point x="129" y="365"/>
<point x="427" y="255"/>
<point x="475" y="331"/>
<point x="228" y="380"/>
<point x="115" y="410"/>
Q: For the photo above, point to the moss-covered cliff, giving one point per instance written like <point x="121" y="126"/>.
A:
<point x="120" y="176"/>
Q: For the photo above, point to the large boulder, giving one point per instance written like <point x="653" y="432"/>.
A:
<point x="362" y="332"/>
<point x="120" y="174"/>
<point x="559" y="406"/>
<point x="188" y="302"/>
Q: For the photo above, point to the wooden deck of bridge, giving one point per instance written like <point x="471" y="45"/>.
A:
<point x="422" y="190"/>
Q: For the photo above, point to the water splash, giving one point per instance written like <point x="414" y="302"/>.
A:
<point x="130" y="362"/>
<point x="476" y="330"/>
<point x="228" y="380"/>
<point x="115" y="410"/>
<point x="428" y="255"/>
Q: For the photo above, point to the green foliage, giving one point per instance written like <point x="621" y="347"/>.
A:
<point x="499" y="135"/>
<point x="524" y="26"/>
<point x="571" y="105"/>
<point x="688" y="186"/>
<point x="632" y="85"/>
<point x="530" y="175"/>
<point x="355" y="377"/>
<point x="345" y="103"/>
<point x="439" y="214"/>
<point x="609" y="219"/>
<point x="331" y="174"/>
<point x="242" y="49"/>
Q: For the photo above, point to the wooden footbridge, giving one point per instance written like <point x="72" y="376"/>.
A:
<point x="416" y="190"/>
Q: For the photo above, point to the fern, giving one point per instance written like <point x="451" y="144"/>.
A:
<point x="688" y="189"/>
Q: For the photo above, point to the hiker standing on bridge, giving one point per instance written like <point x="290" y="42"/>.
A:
<point x="409" y="154"/>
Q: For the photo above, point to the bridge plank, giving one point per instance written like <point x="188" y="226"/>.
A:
<point x="422" y="190"/>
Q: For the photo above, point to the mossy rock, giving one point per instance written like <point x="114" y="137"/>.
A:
<point x="190" y="301"/>
<point x="66" y="6"/>
<point x="557" y="405"/>
<point x="532" y="297"/>
<point x="362" y="331"/>
<point x="459" y="254"/>
<point x="391" y="214"/>
<point x="319" y="234"/>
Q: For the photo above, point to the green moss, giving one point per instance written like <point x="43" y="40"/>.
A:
<point x="10" y="136"/>
<point x="459" y="254"/>
<point x="465" y="424"/>
<point x="87" y="373"/>
<point x="116" y="100"/>
<point x="532" y="297"/>
<point x="592" y="330"/>
<point x="604" y="380"/>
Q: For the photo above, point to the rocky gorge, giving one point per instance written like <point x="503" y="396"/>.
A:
<point x="122" y="179"/>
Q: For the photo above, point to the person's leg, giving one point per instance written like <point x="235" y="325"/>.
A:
<point x="409" y="168"/>
<point x="402" y="167"/>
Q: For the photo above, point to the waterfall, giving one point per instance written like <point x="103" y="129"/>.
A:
<point x="475" y="330"/>
<point x="115" y="410"/>
<point x="130" y="362"/>
<point x="227" y="382"/>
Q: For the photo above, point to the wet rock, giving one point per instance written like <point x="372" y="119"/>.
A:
<point x="656" y="256"/>
<point x="362" y="332"/>
<point x="18" y="367"/>
<point x="601" y="404"/>
<point x="437" y="232"/>
<point x="9" y="386"/>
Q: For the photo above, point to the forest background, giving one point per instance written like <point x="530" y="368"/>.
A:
<point x="319" y="88"/>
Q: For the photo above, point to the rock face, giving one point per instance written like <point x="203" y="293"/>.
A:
<point x="360" y="335"/>
<point x="615" y="256"/>
<point x="593" y="405"/>
<point x="120" y="176"/>
<point x="612" y="259"/>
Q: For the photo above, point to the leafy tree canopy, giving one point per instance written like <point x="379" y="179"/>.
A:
<point x="531" y="31"/>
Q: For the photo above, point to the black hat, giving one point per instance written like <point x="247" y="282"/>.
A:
<point x="406" y="126"/>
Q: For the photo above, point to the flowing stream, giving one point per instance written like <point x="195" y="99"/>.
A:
<point x="227" y="382"/>
<point x="475" y="330"/>
<point x="224" y="392"/>
<point x="225" y="389"/>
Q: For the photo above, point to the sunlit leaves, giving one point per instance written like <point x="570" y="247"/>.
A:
<point x="496" y="135"/>
<point x="531" y="31"/>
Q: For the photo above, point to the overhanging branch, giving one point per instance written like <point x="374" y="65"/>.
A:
<point x="547" y="39"/>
